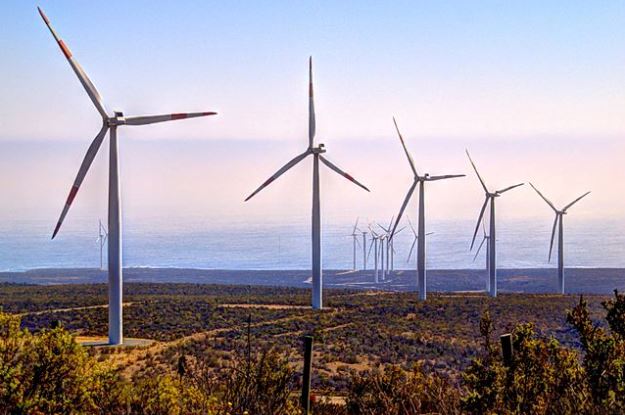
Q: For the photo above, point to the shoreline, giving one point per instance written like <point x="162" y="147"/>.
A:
<point x="523" y="280"/>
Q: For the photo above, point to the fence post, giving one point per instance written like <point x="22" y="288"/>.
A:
<point x="308" y="345"/>
<point x="506" y="348"/>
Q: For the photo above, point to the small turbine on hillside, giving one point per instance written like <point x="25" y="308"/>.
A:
<point x="558" y="222"/>
<point x="492" y="241"/>
<point x="110" y="123"/>
<point x="420" y="181"/>
<point x="317" y="300"/>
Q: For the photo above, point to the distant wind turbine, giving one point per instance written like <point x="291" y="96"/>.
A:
<point x="485" y="238"/>
<point x="492" y="241"/>
<point x="558" y="222"/>
<point x="375" y="238"/>
<point x="102" y="235"/>
<point x="110" y="125"/>
<point x="364" y="250"/>
<point x="420" y="181"/>
<point x="416" y="238"/>
<point x="355" y="242"/>
<point x="317" y="299"/>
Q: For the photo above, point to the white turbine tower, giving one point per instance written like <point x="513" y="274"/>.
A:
<point x="110" y="125"/>
<point x="492" y="241"/>
<point x="558" y="222"/>
<point x="102" y="235"/>
<point x="420" y="181"/>
<point x="317" y="300"/>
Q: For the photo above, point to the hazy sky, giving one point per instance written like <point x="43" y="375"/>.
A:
<point x="535" y="89"/>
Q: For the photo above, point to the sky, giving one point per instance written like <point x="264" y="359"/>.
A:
<point x="535" y="90"/>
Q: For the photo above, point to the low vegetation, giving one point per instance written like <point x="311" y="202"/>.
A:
<point x="374" y="354"/>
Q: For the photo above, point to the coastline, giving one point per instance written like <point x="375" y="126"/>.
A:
<point x="520" y="280"/>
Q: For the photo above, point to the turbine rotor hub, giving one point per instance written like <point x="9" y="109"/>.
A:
<point x="118" y="119"/>
<point x="318" y="150"/>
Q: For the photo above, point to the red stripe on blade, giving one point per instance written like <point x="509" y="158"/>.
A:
<point x="209" y="113"/>
<point x="310" y="90"/>
<point x="349" y="177"/>
<point x="178" y="116"/>
<point x="269" y="180"/>
<point x="65" y="49"/>
<point x="72" y="195"/>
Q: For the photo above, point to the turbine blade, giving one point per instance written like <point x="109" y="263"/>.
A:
<point x="82" y="172"/>
<point x="369" y="251"/>
<point x="404" y="205"/>
<point x="553" y="235"/>
<point x="476" y="172"/>
<point x="280" y="172"/>
<point x="575" y="201"/>
<point x="479" y="219"/>
<point x="509" y="188"/>
<point x="479" y="248"/>
<point x="429" y="233"/>
<point x="447" y="176"/>
<point x="80" y="73"/>
<point x="411" y="249"/>
<point x="342" y="173"/>
<point x="311" y="106"/>
<point x="403" y="144"/>
<point x="151" y="119"/>
<point x="544" y="198"/>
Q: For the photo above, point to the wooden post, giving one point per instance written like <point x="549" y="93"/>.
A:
<point x="308" y="345"/>
<point x="506" y="348"/>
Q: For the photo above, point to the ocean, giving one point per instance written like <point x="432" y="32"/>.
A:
<point x="285" y="245"/>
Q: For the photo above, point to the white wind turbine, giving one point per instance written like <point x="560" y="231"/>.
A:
<point x="558" y="222"/>
<point x="110" y="125"/>
<point x="492" y="241"/>
<point x="374" y="244"/>
<point x="485" y="239"/>
<point x="387" y="237"/>
<point x="364" y="250"/>
<point x="355" y="243"/>
<point x="416" y="238"/>
<point x="102" y="235"/>
<point x="317" y="299"/>
<point x="420" y="181"/>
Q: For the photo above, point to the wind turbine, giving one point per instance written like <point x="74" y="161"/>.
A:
<point x="485" y="238"/>
<point x="364" y="250"/>
<point x="110" y="125"/>
<point x="317" y="300"/>
<point x="355" y="242"/>
<point x="558" y="222"/>
<point x="102" y="235"/>
<point x="420" y="181"/>
<point x="492" y="241"/>
<point x="414" y="242"/>
<point x="374" y="244"/>
<point x="387" y="238"/>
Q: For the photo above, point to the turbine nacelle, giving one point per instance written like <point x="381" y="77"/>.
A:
<point x="117" y="119"/>
<point x="318" y="150"/>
